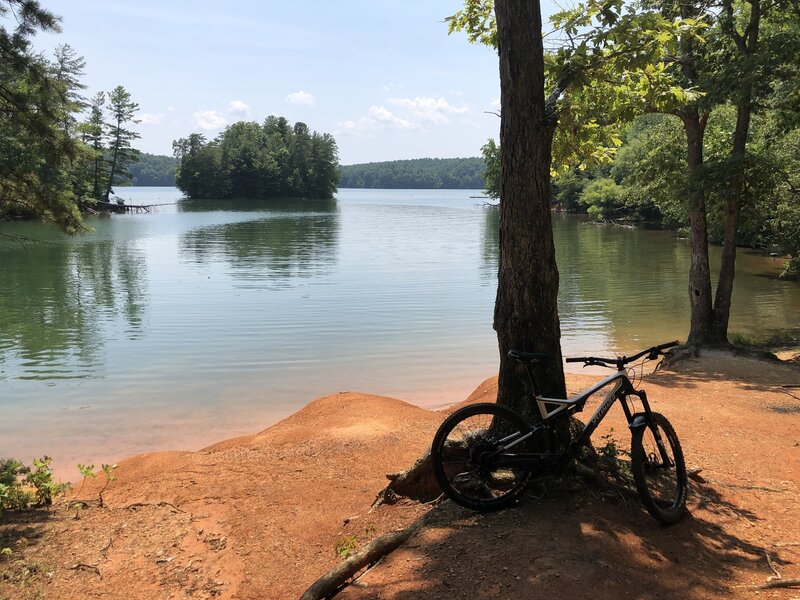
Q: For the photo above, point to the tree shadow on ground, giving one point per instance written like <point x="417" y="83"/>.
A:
<point x="22" y="526"/>
<point x="573" y="543"/>
<point x="747" y="374"/>
<point x="20" y="531"/>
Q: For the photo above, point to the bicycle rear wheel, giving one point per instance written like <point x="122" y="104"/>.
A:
<point x="662" y="484"/>
<point x="466" y="460"/>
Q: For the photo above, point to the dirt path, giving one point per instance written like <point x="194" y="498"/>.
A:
<point x="261" y="516"/>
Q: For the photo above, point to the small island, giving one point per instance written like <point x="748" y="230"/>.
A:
<point x="248" y="160"/>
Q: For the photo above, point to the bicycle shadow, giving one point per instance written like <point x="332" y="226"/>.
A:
<point x="573" y="544"/>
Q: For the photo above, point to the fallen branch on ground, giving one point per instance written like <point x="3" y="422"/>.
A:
<point x="779" y="583"/>
<point x="772" y="566"/>
<point x="335" y="579"/>
<point x="85" y="567"/>
<point x="159" y="504"/>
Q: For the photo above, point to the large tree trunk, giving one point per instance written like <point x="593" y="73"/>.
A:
<point x="699" y="272"/>
<point x="526" y="310"/>
<point x="747" y="46"/>
<point x="727" y="268"/>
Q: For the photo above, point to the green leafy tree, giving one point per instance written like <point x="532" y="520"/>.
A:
<point x="93" y="132"/>
<point x="67" y="71"/>
<point x="121" y="154"/>
<point x="619" y="60"/>
<point x="36" y="152"/>
<point x="248" y="160"/>
<point x="491" y="173"/>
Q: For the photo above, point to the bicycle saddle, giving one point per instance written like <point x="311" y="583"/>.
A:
<point x="528" y="357"/>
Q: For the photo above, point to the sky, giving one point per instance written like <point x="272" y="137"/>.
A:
<point x="384" y="78"/>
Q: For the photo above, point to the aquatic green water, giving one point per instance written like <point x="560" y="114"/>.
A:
<point x="205" y="320"/>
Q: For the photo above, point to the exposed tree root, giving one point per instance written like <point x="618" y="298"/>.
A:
<point x="416" y="483"/>
<point x="335" y="579"/>
<point x="694" y="350"/>
<point x="779" y="583"/>
<point x="158" y="504"/>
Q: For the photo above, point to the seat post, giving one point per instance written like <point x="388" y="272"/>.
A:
<point x="532" y="378"/>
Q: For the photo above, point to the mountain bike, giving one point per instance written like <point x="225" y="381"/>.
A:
<point x="485" y="455"/>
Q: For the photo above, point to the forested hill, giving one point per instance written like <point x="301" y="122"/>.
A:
<point x="419" y="173"/>
<point x="153" y="169"/>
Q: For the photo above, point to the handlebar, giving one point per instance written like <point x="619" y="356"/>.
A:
<point x="619" y="362"/>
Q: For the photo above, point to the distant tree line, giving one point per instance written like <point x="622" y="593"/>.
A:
<point x="419" y="173"/>
<point x="251" y="160"/>
<point x="154" y="169"/>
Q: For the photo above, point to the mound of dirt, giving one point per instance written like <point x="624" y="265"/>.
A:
<point x="263" y="516"/>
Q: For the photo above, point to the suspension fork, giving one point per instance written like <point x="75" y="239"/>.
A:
<point x="646" y="420"/>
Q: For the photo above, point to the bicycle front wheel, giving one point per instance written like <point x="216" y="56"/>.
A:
<point x="660" y="477"/>
<point x="468" y="462"/>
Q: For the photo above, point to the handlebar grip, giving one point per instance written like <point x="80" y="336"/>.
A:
<point x="669" y="345"/>
<point x="575" y="360"/>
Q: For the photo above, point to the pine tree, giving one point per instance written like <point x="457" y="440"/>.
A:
<point x="122" y="110"/>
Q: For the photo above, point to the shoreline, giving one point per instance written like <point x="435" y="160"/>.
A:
<point x="198" y="431"/>
<point x="236" y="518"/>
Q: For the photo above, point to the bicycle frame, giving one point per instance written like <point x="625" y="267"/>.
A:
<point x="621" y="388"/>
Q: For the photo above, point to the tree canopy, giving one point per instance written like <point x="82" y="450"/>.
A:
<point x="37" y="98"/>
<point x="615" y="60"/>
<point x="250" y="160"/>
<point x="52" y="165"/>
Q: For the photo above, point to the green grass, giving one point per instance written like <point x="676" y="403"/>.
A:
<point x="771" y="340"/>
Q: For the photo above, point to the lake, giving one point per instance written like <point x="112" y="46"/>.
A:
<point x="205" y="320"/>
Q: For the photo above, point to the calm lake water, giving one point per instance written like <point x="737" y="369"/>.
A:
<point x="205" y="320"/>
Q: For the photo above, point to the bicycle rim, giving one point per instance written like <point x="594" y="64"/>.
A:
<point x="468" y="462"/>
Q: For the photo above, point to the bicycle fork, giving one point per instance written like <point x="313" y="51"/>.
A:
<point x="646" y="420"/>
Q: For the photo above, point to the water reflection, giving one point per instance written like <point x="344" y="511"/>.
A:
<point x="279" y="205"/>
<point x="490" y="244"/>
<point x="56" y="297"/>
<point x="291" y="240"/>
<point x="621" y="288"/>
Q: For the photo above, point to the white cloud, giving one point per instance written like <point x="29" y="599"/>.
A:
<point x="301" y="98"/>
<point x="496" y="103"/>
<point x="171" y="109"/>
<point x="238" y="108"/>
<point x="209" y="119"/>
<point x="431" y="110"/>
<point x="377" y="118"/>
<point x="406" y="114"/>
<point x="151" y="119"/>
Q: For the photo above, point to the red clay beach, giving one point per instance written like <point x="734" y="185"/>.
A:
<point x="260" y="516"/>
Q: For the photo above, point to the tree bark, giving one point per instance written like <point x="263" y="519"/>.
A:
<point x="699" y="272"/>
<point x="526" y="309"/>
<point x="747" y="46"/>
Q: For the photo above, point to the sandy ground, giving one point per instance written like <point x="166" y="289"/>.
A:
<point x="261" y="516"/>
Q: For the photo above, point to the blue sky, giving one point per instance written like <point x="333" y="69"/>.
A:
<point x="383" y="77"/>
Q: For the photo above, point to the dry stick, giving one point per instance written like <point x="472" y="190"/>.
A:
<point x="772" y="566"/>
<point x="158" y="504"/>
<point x="785" y="544"/>
<point x="85" y="567"/>
<point x="332" y="581"/>
<point x="779" y="583"/>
